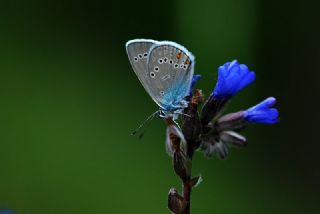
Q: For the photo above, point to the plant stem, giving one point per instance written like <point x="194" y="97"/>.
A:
<point x="187" y="196"/>
<point x="187" y="188"/>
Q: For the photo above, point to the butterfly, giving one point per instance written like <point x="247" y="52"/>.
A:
<point x="165" y="70"/>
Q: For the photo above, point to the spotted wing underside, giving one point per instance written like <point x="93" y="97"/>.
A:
<point x="170" y="71"/>
<point x="165" y="69"/>
<point x="138" y="53"/>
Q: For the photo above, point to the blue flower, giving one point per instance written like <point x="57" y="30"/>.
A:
<point x="232" y="77"/>
<point x="262" y="112"/>
<point x="195" y="79"/>
<point x="6" y="212"/>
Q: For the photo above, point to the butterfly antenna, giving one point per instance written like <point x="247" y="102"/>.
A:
<point x="187" y="115"/>
<point x="146" y="122"/>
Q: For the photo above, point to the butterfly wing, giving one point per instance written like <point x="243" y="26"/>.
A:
<point x="170" y="71"/>
<point x="138" y="53"/>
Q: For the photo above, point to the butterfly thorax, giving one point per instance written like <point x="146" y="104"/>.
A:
<point x="173" y="110"/>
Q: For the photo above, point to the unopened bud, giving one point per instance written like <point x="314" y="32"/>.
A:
<point x="176" y="203"/>
<point x="181" y="165"/>
<point x="211" y="108"/>
<point x="192" y="127"/>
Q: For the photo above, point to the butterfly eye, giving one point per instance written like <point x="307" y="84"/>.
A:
<point x="176" y="65"/>
<point x="145" y="55"/>
<point x="160" y="61"/>
<point x="170" y="61"/>
<point x="135" y="59"/>
<point x="161" y="93"/>
<point x="152" y="75"/>
<point x="184" y="67"/>
<point x="156" y="68"/>
<point x="140" y="56"/>
<point x="165" y="60"/>
<point x="181" y="66"/>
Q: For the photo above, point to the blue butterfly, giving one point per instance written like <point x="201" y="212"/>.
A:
<point x="165" y="69"/>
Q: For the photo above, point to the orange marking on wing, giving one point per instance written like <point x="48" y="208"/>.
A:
<point x="179" y="55"/>
<point x="187" y="62"/>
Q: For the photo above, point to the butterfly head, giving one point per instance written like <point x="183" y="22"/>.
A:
<point x="173" y="110"/>
<point x="164" y="114"/>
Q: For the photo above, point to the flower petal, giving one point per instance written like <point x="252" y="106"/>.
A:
<point x="232" y="77"/>
<point x="263" y="113"/>
<point x="195" y="79"/>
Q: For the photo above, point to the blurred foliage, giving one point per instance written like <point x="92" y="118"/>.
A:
<point x="69" y="101"/>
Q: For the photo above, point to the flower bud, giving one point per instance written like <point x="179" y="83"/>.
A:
<point x="191" y="127"/>
<point x="182" y="165"/>
<point x="176" y="203"/>
<point x="232" y="77"/>
<point x="211" y="108"/>
<point x="232" y="121"/>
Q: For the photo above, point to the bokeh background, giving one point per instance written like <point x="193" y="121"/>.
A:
<point x="69" y="100"/>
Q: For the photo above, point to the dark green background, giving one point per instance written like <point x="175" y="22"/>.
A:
<point x="69" y="100"/>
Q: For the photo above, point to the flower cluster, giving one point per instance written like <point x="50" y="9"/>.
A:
<point x="210" y="132"/>
<point x="213" y="134"/>
<point x="218" y="133"/>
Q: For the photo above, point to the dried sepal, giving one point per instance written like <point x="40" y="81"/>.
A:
<point x="195" y="181"/>
<point x="221" y="150"/>
<point x="169" y="145"/>
<point x="214" y="148"/>
<point x="197" y="98"/>
<point x="233" y="138"/>
<point x="174" y="138"/>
